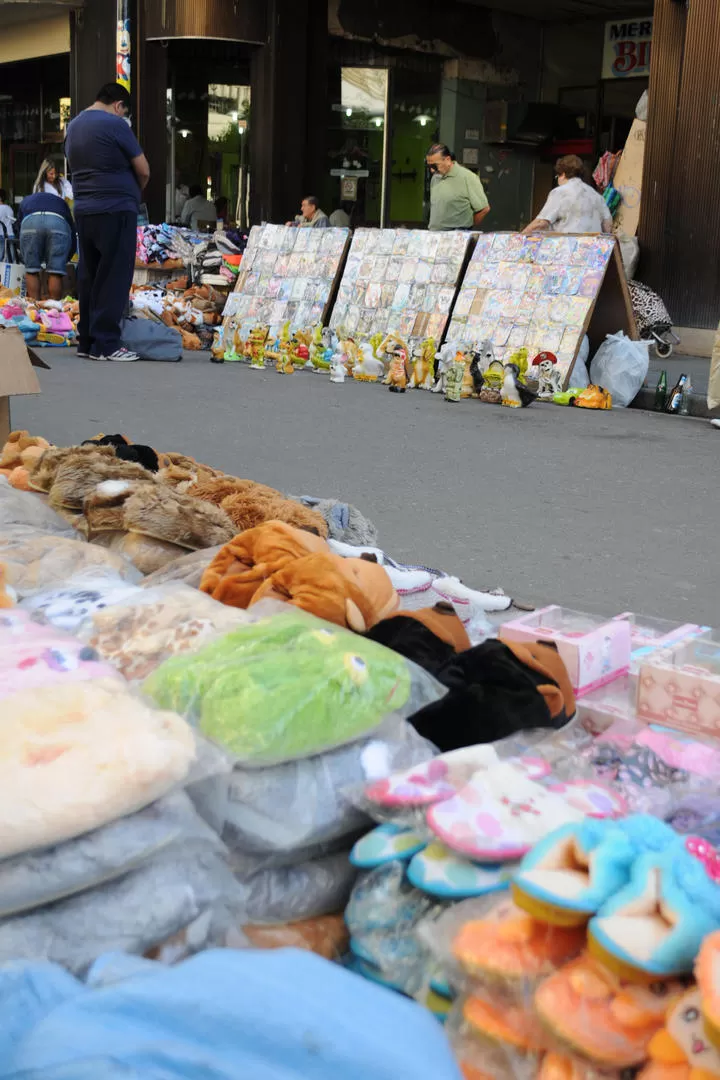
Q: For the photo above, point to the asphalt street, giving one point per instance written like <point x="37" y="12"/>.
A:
<point x="603" y="512"/>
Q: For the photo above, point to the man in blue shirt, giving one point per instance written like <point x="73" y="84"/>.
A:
<point x="109" y="172"/>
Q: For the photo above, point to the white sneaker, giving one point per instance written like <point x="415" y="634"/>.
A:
<point x="120" y="356"/>
<point x="715" y="423"/>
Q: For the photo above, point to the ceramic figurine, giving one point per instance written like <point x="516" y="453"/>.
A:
<point x="454" y="378"/>
<point x="520" y="359"/>
<point x="283" y="363"/>
<point x="387" y="349"/>
<point x="337" y="369"/>
<point x="397" y="377"/>
<point x="368" y="368"/>
<point x="232" y="339"/>
<point x="217" y="349"/>
<point x="443" y="360"/>
<point x="550" y="379"/>
<point x="255" y="347"/>
<point x="468" y="386"/>
<point x="423" y="366"/>
<point x="376" y="341"/>
<point x="476" y="373"/>
<point x="320" y="349"/>
<point x="514" y="394"/>
<point x="300" y="350"/>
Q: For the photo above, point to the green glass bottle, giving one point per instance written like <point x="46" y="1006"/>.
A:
<point x="661" y="392"/>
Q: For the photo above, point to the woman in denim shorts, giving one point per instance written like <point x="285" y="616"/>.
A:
<point x="47" y="239"/>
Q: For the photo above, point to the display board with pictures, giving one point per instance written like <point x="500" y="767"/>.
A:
<point x="539" y="292"/>
<point x="287" y="275"/>
<point x="399" y="280"/>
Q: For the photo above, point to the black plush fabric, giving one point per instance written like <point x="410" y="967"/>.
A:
<point x="491" y="694"/>
<point x="106" y="440"/>
<point x="143" y="455"/>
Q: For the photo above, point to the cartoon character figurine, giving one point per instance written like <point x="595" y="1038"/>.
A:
<point x="337" y="369"/>
<point x="300" y="351"/>
<point x="217" y="349"/>
<point x="368" y="368"/>
<point x="443" y="360"/>
<point x="493" y="375"/>
<point x="387" y="349"/>
<point x="682" y="1050"/>
<point x="320" y="349"/>
<point x="454" y="378"/>
<point x="549" y="378"/>
<point x="397" y="377"/>
<point x="514" y="394"/>
<point x="476" y="373"/>
<point x="234" y="344"/>
<point x="423" y="365"/>
<point x="520" y="359"/>
<point x="283" y="363"/>
<point x="255" y="347"/>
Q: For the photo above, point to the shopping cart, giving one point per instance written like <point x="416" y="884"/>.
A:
<point x="653" y="319"/>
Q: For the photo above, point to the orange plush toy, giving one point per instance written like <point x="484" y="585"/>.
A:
<point x="241" y="566"/>
<point x="348" y="592"/>
<point x="249" y="504"/>
<point x="21" y="450"/>
<point x="682" y="1050"/>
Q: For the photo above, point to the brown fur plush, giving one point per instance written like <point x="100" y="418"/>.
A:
<point x="216" y="489"/>
<point x="239" y="569"/>
<point x="352" y="596"/>
<point x="177" y="477"/>
<point x="104" y="507"/>
<point x="158" y="511"/>
<point x="249" y="508"/>
<point x="43" y="473"/>
<point x="148" y="554"/>
<point x="78" y="478"/>
<point x="204" y="472"/>
<point x="22" y="448"/>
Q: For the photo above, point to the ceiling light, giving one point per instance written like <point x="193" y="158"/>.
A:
<point x="423" y="119"/>
<point x="348" y="112"/>
<point x="185" y="132"/>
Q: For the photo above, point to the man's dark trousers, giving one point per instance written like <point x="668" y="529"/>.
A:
<point x="106" y="247"/>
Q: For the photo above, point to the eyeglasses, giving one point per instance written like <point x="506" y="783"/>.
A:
<point x="432" y="168"/>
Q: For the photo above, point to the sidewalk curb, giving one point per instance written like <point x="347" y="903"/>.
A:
<point x="646" y="400"/>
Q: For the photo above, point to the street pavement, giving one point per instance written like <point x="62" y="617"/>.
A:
<point x="601" y="511"/>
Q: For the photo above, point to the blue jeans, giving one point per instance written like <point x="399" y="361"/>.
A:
<point x="45" y="240"/>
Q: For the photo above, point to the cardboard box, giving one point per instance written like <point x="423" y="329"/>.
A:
<point x="12" y="277"/>
<point x="628" y="180"/>
<point x="680" y="688"/>
<point x="16" y="374"/>
<point x="594" y="651"/>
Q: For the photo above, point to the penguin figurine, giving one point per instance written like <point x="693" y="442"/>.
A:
<point x="514" y="394"/>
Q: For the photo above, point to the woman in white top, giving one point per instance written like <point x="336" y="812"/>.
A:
<point x="50" y="182"/>
<point x="573" y="206"/>
<point x="7" y="218"/>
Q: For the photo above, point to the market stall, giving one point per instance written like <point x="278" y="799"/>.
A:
<point x="228" y="730"/>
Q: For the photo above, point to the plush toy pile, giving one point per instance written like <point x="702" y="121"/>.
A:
<point x="194" y="311"/>
<point x="213" y="691"/>
<point x="42" y="322"/>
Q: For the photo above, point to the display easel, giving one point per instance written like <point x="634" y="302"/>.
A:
<point x="544" y="293"/>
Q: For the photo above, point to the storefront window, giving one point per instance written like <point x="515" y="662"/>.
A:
<point x="357" y="144"/>
<point x="228" y="126"/>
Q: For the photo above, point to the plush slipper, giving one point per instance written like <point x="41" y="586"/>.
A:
<point x="508" y="947"/>
<point x="441" y="873"/>
<point x="435" y="1003"/>
<point x="707" y="973"/>
<point x="499" y="815"/>
<point x="75" y="480"/>
<point x="654" y="927"/>
<point x="595" y="1014"/>
<point x="435" y="780"/>
<point x="383" y="900"/>
<point x="387" y="843"/>
<point x="44" y="471"/>
<point x="241" y="566"/>
<point x="682" y="1050"/>
<point x="511" y="1026"/>
<point x="576" y="869"/>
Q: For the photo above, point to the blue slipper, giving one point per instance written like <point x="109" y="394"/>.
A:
<point x="656" y="924"/>
<point x="570" y="874"/>
<point x="385" y="844"/>
<point x="440" y="872"/>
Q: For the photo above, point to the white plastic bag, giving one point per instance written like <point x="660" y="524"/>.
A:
<point x="630" y="252"/>
<point x="580" y="378"/>
<point x="621" y="366"/>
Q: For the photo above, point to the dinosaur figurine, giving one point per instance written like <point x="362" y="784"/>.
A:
<point x="514" y="393"/>
<point x="423" y="366"/>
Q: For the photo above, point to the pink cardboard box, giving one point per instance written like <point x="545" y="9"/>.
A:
<point x="680" y="688"/>
<point x="593" y="650"/>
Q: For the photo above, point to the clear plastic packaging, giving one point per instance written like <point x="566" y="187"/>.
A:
<point x="315" y="685"/>
<point x="29" y="511"/>
<point x="291" y="893"/>
<point x="37" y="560"/>
<point x="133" y="914"/>
<point x="78" y="755"/>
<point x="325" y="935"/>
<point x="154" y="624"/>
<point x="300" y="804"/>
<point x="188" y="568"/>
<point x="66" y="606"/>
<point x="492" y="1042"/>
<point x="42" y="877"/>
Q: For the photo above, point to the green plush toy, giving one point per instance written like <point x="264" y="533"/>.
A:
<point x="285" y="687"/>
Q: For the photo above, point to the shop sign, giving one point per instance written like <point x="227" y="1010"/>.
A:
<point x="628" y="43"/>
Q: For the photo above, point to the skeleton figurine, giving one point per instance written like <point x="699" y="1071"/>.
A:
<point x="550" y="379"/>
<point x="454" y="378"/>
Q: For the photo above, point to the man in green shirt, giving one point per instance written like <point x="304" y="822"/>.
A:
<point x="457" y="198"/>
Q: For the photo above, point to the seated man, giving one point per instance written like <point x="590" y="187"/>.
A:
<point x="310" y="216"/>
<point x="197" y="208"/>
